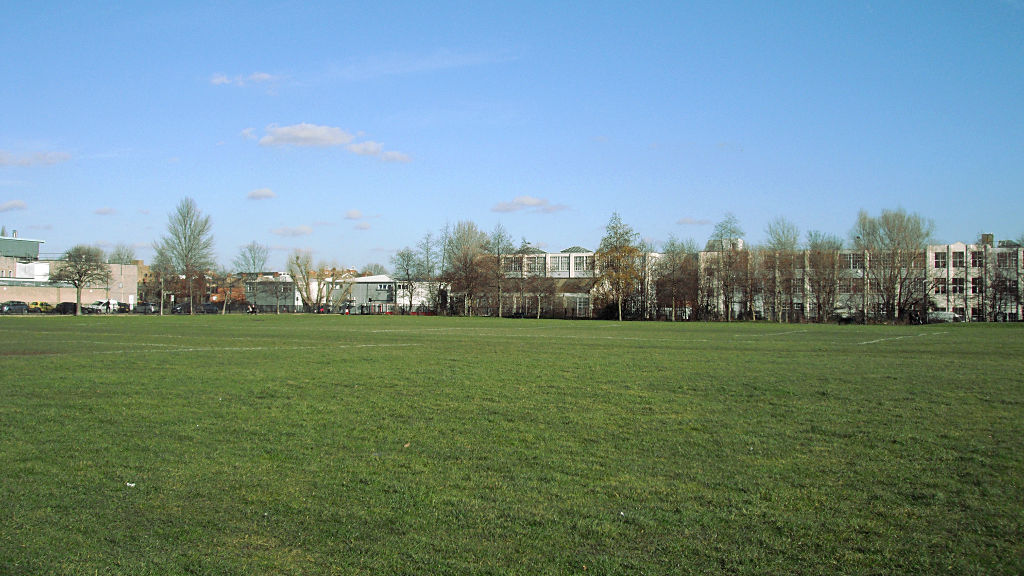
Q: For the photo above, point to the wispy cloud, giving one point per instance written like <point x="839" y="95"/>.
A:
<point x="367" y="148"/>
<point x="363" y="226"/>
<point x="305" y="135"/>
<point x="105" y="211"/>
<point x="242" y="80"/>
<point x="393" y="156"/>
<point x="292" y="231"/>
<point x="687" y="221"/>
<point x="353" y="215"/>
<point x="529" y="203"/>
<point x="396" y="64"/>
<point x="34" y="159"/>
<point x="261" y="194"/>
<point x="12" y="205"/>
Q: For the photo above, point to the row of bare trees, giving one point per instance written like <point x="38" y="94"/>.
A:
<point x="879" y="272"/>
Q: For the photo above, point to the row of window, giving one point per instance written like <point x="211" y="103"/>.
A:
<point x="855" y="260"/>
<point x="536" y="264"/>
<point x="1003" y="259"/>
<point x="957" y="285"/>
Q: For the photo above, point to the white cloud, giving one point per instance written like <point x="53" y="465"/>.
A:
<point x="687" y="221"/>
<point x="363" y="226"/>
<point x="12" y="205"/>
<point x="261" y="194"/>
<point x="353" y="215"/>
<point x="305" y="135"/>
<point x="34" y="159"/>
<point x="367" y="148"/>
<point x="392" y="156"/>
<point x="314" y="135"/>
<point x="292" y="231"/>
<point x="242" y="80"/>
<point x="105" y="211"/>
<point x="539" y="205"/>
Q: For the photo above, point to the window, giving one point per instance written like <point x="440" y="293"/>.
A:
<point x="959" y="259"/>
<point x="959" y="311"/>
<point x="854" y="260"/>
<point x="383" y="287"/>
<point x="939" y="286"/>
<point x="977" y="285"/>
<point x="558" y="264"/>
<point x="941" y="260"/>
<point x="1006" y="259"/>
<point x="514" y="264"/>
<point x="849" y="285"/>
<point x="583" y="263"/>
<point x="957" y="286"/>
<point x="535" y="264"/>
<point x="977" y="259"/>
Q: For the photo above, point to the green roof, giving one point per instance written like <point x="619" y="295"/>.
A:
<point x="20" y="248"/>
<point x="530" y="250"/>
<point x="576" y="250"/>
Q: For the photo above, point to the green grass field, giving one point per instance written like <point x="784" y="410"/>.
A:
<point x="398" y="445"/>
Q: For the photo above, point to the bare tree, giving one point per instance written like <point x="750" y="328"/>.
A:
<point x="677" y="276"/>
<point x="499" y="244"/>
<point x="373" y="269"/>
<point x="188" y="246"/>
<point x="428" y="256"/>
<point x="314" y="282"/>
<point x="465" y="269"/>
<point x="82" y="266"/>
<point x="619" y="261"/>
<point x="823" y="272"/>
<point x="896" y="243"/>
<point x="781" y="261"/>
<point x="122" y="254"/>
<point x="406" y="268"/>
<point x="251" y="258"/>
<point x="728" y="261"/>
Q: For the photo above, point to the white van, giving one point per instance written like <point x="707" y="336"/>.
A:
<point x="100" y="307"/>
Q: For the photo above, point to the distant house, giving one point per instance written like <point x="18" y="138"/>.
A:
<point x="23" y="276"/>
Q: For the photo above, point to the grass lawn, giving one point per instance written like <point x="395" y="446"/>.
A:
<point x="411" y="445"/>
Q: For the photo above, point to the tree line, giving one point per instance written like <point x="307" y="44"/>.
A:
<point x="461" y="269"/>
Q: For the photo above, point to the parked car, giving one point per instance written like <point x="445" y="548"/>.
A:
<point x="65" y="308"/>
<point x="14" y="307"/>
<point x="182" y="309"/>
<point x="941" y="317"/>
<point x="100" y="307"/>
<point x="40" y="307"/>
<point x="209" y="308"/>
<point x="146" y="308"/>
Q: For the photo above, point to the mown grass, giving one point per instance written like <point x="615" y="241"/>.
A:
<point x="389" y="445"/>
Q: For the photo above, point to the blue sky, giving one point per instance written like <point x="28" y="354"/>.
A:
<point x="352" y="129"/>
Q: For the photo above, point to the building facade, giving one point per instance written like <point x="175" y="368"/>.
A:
<point x="24" y="277"/>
